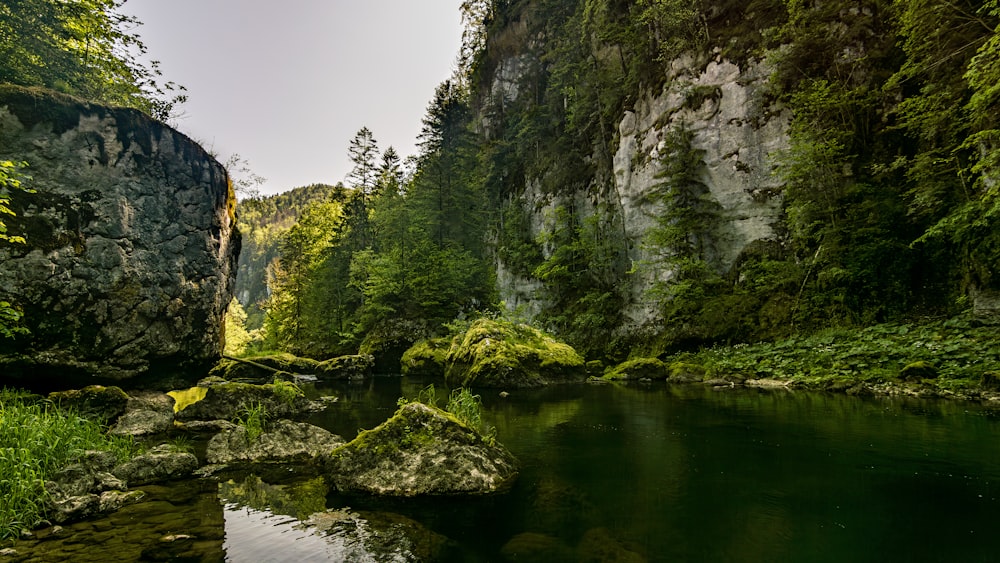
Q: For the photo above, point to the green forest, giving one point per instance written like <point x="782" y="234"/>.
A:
<point x="889" y="194"/>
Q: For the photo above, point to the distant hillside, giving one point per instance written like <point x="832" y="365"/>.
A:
<point x="263" y="221"/>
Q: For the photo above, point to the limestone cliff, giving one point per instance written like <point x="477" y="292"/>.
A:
<point x="736" y="130"/>
<point x="131" y="245"/>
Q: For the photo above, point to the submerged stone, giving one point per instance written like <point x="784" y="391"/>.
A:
<point x="421" y="450"/>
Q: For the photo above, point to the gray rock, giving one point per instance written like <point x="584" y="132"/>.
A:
<point x="147" y="413"/>
<point x="421" y="450"/>
<point x="159" y="464"/>
<point x="346" y="367"/>
<point x="131" y="245"/>
<point x="284" y="441"/>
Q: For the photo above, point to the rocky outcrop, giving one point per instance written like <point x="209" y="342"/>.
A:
<point x="283" y="442"/>
<point x="131" y="245"/>
<point x="421" y="450"/>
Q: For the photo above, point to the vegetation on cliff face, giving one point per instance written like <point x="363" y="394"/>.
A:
<point x="889" y="184"/>
<point x="12" y="179"/>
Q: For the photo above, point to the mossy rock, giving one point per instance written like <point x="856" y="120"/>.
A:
<point x="356" y="366"/>
<point x="638" y="368"/>
<point x="426" y="358"/>
<point x="501" y="354"/>
<point x="421" y="450"/>
<point x="226" y="401"/>
<point x="918" y="370"/>
<point x="93" y="401"/>
<point x="390" y="339"/>
<point x="684" y="372"/>
<point x="990" y="380"/>
<point x="595" y="367"/>
<point x="532" y="547"/>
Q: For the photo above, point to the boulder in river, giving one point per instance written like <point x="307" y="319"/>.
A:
<point x="283" y="441"/>
<point x="146" y="413"/>
<point x="503" y="354"/>
<point x="421" y="450"/>
<point x="131" y="246"/>
<point x="228" y="400"/>
<point x="162" y="463"/>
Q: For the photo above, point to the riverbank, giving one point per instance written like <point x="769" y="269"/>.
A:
<point x="957" y="358"/>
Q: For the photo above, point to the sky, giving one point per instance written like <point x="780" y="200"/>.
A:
<point x="287" y="84"/>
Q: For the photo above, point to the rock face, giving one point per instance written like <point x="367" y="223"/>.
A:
<point x="421" y="451"/>
<point x="131" y="245"/>
<point x="735" y="128"/>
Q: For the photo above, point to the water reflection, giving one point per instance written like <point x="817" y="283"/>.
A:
<point x="628" y="473"/>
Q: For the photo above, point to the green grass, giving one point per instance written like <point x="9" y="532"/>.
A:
<point x="254" y="418"/>
<point x="287" y="391"/>
<point x="36" y="440"/>
<point x="466" y="407"/>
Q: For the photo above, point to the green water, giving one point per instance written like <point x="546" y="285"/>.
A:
<point x="653" y="473"/>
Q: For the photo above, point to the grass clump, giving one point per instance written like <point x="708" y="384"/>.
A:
<point x="36" y="440"/>
<point x="466" y="406"/>
<point x="286" y="391"/>
<point x="252" y="417"/>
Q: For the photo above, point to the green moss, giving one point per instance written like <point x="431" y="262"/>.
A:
<point x="499" y="353"/>
<point x="686" y="371"/>
<point x="918" y="370"/>
<point x="427" y="357"/>
<point x="638" y="368"/>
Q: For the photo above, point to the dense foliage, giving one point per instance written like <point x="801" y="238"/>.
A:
<point x="888" y="186"/>
<point x="82" y="47"/>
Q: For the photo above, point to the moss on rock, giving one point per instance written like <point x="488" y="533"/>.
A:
<point x="227" y="400"/>
<point x="502" y="354"/>
<point x="638" y="368"/>
<point x="918" y="370"/>
<point x="356" y="366"/>
<point x="421" y="450"/>
<point x="427" y="357"/>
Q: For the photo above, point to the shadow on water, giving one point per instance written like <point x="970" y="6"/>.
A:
<point x="629" y="473"/>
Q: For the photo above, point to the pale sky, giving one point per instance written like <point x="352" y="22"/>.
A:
<point x="287" y="83"/>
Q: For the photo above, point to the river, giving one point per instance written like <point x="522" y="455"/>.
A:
<point x="627" y="473"/>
